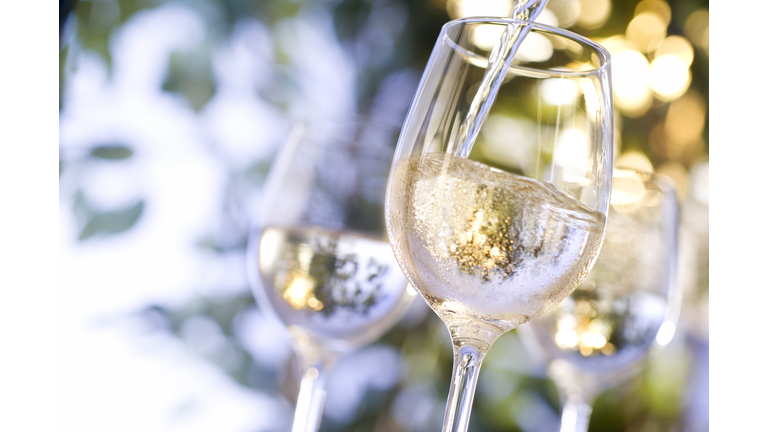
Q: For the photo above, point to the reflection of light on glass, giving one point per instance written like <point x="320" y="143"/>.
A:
<point x="475" y="228"/>
<point x="631" y="74"/>
<point x="659" y="8"/>
<point x="468" y="8"/>
<point x="572" y="155"/>
<point x="677" y="46"/>
<point x="590" y="98"/>
<point x="593" y="13"/>
<point x="696" y="29"/>
<point x="646" y="31"/>
<point x="555" y="91"/>
<point x="665" y="334"/>
<point x="670" y="76"/>
<point x="269" y="248"/>
<point x="536" y="47"/>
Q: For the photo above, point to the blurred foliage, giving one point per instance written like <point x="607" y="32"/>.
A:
<point x="650" y="402"/>
<point x="96" y="222"/>
<point x="114" y="152"/>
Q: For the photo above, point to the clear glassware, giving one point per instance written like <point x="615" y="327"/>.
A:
<point x="627" y="306"/>
<point x="319" y="259"/>
<point x="503" y="235"/>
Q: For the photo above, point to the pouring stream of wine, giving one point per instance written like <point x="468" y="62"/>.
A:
<point x="498" y="63"/>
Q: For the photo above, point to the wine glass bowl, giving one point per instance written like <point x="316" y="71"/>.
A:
<point x="495" y="229"/>
<point x="318" y="258"/>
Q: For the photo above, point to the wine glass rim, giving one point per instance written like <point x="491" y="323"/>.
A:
<point x="559" y="31"/>
<point x="344" y="120"/>
<point x="337" y="126"/>
<point x="661" y="179"/>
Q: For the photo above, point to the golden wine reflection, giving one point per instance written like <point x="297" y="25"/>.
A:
<point x="312" y="270"/>
<point x="585" y="329"/>
<point x="299" y="293"/>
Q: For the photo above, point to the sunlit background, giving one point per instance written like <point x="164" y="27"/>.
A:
<point x="170" y="113"/>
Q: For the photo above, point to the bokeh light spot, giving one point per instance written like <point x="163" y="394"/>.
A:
<point x="594" y="13"/>
<point x="486" y="36"/>
<point x="631" y="76"/>
<point x="468" y="8"/>
<point x="696" y="29"/>
<point x="535" y="48"/>
<point x="677" y="46"/>
<point x="685" y="119"/>
<point x="659" y="8"/>
<point x="556" y="91"/>
<point x="670" y="77"/>
<point x="566" y="11"/>
<point x="634" y="160"/>
<point x="646" y="31"/>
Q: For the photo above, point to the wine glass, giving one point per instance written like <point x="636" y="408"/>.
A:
<point x="626" y="306"/>
<point x="318" y="259"/>
<point x="501" y="236"/>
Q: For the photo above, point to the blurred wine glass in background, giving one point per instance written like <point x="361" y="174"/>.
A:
<point x="318" y="258"/>
<point x="627" y="306"/>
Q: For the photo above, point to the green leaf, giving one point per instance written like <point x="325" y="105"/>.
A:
<point x="113" y="152"/>
<point x="112" y="222"/>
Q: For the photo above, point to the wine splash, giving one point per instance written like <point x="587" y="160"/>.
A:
<point x="498" y="62"/>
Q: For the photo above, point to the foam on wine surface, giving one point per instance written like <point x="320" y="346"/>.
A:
<point x="338" y="286"/>
<point x="483" y="244"/>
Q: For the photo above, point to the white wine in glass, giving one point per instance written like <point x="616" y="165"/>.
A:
<point x="497" y="235"/>
<point x="319" y="260"/>
<point x="627" y="306"/>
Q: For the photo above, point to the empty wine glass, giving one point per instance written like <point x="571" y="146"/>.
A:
<point x="499" y="237"/>
<point x="318" y="258"/>
<point x="627" y="305"/>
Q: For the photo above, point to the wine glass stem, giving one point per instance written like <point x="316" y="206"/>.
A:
<point x="309" y="405"/>
<point x="466" y="368"/>
<point x="576" y="412"/>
